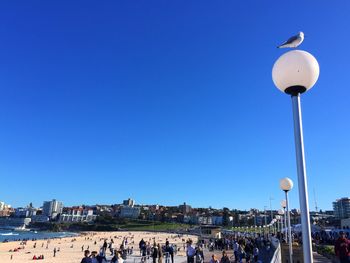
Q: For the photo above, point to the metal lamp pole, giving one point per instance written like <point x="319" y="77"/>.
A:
<point x="303" y="196"/>
<point x="289" y="230"/>
<point x="286" y="185"/>
<point x="294" y="73"/>
<point x="284" y="204"/>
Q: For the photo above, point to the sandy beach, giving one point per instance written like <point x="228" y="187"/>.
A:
<point x="69" y="250"/>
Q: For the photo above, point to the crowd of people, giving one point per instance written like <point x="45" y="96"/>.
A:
<point x="233" y="248"/>
<point x="149" y="250"/>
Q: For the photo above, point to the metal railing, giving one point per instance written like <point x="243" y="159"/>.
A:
<point x="277" y="257"/>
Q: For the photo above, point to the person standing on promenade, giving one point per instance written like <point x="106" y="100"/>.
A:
<point x="160" y="254"/>
<point x="142" y="247"/>
<point x="235" y="250"/>
<point x="86" y="258"/>
<point x="117" y="258"/>
<point x="93" y="257"/>
<point x="101" y="256"/>
<point x="241" y="251"/>
<point x="155" y="253"/>
<point x="199" y="255"/>
<point x="191" y="252"/>
<point x="342" y="248"/>
<point x="224" y="258"/>
<point x="256" y="253"/>
<point x="169" y="249"/>
<point x="213" y="259"/>
<point x="54" y="252"/>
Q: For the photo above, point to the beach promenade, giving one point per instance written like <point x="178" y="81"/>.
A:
<point x="70" y="249"/>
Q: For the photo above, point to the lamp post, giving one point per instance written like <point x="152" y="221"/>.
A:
<point x="294" y="73"/>
<point x="281" y="213"/>
<point x="278" y="221"/>
<point x="286" y="185"/>
<point x="275" y="225"/>
<point x="284" y="204"/>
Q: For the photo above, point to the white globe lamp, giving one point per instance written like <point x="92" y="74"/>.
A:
<point x="295" y="72"/>
<point x="286" y="184"/>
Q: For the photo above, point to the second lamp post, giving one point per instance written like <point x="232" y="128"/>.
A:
<point x="286" y="185"/>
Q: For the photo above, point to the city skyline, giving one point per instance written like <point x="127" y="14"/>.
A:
<point x="168" y="102"/>
<point x="121" y="202"/>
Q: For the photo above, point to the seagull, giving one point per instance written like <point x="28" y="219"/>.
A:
<point x="294" y="41"/>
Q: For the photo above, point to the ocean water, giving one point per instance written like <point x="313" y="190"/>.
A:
<point x="10" y="235"/>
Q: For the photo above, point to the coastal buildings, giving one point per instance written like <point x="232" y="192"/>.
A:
<point x="341" y="208"/>
<point x="345" y="223"/>
<point x="185" y="209"/>
<point x="5" y="209"/>
<point x="77" y="214"/>
<point x="28" y="211"/>
<point x="52" y="209"/>
<point x="129" y="210"/>
<point x="129" y="202"/>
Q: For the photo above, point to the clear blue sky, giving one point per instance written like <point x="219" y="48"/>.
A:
<point x="168" y="101"/>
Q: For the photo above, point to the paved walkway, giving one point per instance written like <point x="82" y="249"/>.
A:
<point x="137" y="259"/>
<point x="264" y="257"/>
<point x="320" y="259"/>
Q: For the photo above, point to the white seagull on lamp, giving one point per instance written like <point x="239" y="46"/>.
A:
<point x="294" y="41"/>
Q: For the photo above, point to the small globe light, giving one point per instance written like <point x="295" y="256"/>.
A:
<point x="286" y="184"/>
<point x="281" y="211"/>
<point x="283" y="204"/>
<point x="295" y="72"/>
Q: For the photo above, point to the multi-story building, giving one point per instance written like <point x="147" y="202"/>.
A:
<point x="129" y="202"/>
<point x="341" y="208"/>
<point x="129" y="212"/>
<point x="185" y="209"/>
<point x="77" y="214"/>
<point x="5" y="210"/>
<point x="52" y="208"/>
<point x="217" y="220"/>
<point x="2" y="205"/>
<point x="24" y="212"/>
